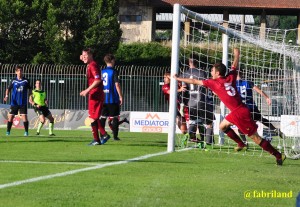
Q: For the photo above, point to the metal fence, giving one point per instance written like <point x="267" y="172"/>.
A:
<point x="141" y="85"/>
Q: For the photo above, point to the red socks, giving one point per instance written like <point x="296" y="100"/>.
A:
<point x="101" y="129"/>
<point x="95" y="133"/>
<point x="230" y="133"/>
<point x="269" y="148"/>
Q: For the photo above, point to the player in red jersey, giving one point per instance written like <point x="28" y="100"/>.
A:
<point x="95" y="95"/>
<point x="182" y="111"/>
<point x="224" y="86"/>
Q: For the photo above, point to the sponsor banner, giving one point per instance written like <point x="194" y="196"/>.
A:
<point x="63" y="119"/>
<point x="155" y="122"/>
<point x="152" y="122"/>
<point x="290" y="125"/>
<point x="158" y="122"/>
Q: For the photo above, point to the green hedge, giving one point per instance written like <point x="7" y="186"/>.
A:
<point x="152" y="53"/>
<point x="157" y="54"/>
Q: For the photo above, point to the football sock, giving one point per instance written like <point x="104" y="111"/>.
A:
<point x="230" y="133"/>
<point x="110" y="124"/>
<point x="269" y="148"/>
<point x="192" y="128"/>
<point x="123" y="120"/>
<point x="101" y="127"/>
<point x="115" y="127"/>
<point x="26" y="123"/>
<point x="102" y="121"/>
<point x="267" y="123"/>
<point x="209" y="135"/>
<point x="51" y="126"/>
<point x="95" y="133"/>
<point x="39" y="127"/>
<point x="201" y="129"/>
<point x="9" y="125"/>
<point x="243" y="137"/>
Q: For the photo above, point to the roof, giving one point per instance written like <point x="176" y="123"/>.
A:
<point x="289" y="7"/>
<point x="218" y="18"/>
<point x="278" y="4"/>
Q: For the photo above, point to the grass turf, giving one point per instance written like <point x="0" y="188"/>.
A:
<point x="183" y="178"/>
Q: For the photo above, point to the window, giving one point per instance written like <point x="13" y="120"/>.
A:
<point x="130" y="18"/>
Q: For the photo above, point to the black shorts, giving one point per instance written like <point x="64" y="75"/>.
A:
<point x="42" y="110"/>
<point x="205" y="114"/>
<point x="15" y="109"/>
<point x="256" y="114"/>
<point x="110" y="110"/>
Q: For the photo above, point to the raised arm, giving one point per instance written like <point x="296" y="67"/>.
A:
<point x="261" y="92"/>
<point x="188" y="80"/>
<point x="236" y="54"/>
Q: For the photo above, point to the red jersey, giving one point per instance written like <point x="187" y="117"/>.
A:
<point x="94" y="73"/>
<point x="165" y="88"/>
<point x="225" y="88"/>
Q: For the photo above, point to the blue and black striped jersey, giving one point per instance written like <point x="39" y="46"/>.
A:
<point x="110" y="78"/>
<point x="19" y="91"/>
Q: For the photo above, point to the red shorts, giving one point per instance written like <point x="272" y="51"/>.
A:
<point x="241" y="117"/>
<point x="95" y="105"/>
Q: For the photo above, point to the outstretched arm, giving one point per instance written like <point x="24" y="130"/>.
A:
<point x="236" y="54"/>
<point x="261" y="92"/>
<point x="188" y="80"/>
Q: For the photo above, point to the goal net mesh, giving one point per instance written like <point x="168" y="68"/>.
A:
<point x="269" y="59"/>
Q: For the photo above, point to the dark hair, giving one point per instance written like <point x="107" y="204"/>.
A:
<point x="195" y="59"/>
<point x="167" y="73"/>
<point x="18" y="67"/>
<point x="109" y="58"/>
<point x="221" y="68"/>
<point x="89" y="51"/>
<point x="240" y="73"/>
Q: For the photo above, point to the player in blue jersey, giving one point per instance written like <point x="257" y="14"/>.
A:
<point x="113" y="97"/>
<point x="245" y="89"/>
<point x="19" y="88"/>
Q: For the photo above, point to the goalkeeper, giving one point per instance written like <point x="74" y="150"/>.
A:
<point x="39" y="102"/>
<point x="200" y="103"/>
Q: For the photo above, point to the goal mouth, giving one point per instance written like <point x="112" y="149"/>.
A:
<point x="267" y="61"/>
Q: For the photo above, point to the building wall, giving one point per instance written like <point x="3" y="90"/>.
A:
<point x="141" y="30"/>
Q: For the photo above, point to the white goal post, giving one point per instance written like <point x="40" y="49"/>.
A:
<point x="270" y="62"/>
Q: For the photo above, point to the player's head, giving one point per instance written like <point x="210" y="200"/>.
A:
<point x="110" y="59"/>
<point x="167" y="77"/>
<point x="87" y="55"/>
<point x="194" y="60"/>
<point x="218" y="70"/>
<point x="19" y="71"/>
<point x="239" y="75"/>
<point x="38" y="84"/>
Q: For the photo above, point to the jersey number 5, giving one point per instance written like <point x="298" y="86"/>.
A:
<point x="230" y="90"/>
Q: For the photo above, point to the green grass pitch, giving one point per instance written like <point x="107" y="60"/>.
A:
<point x="64" y="171"/>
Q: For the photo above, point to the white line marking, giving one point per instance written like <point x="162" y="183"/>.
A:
<point x="55" y="163"/>
<point x="21" y="182"/>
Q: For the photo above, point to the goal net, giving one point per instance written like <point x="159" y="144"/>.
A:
<point x="269" y="66"/>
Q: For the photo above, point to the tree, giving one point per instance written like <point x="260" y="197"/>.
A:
<point x="104" y="31"/>
<point x="55" y="31"/>
<point x="64" y="27"/>
<point x="20" y="30"/>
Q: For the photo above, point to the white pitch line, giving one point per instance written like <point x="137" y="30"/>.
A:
<point x="54" y="163"/>
<point x="46" y="177"/>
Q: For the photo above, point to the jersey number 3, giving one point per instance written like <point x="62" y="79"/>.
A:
<point x="105" y="79"/>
